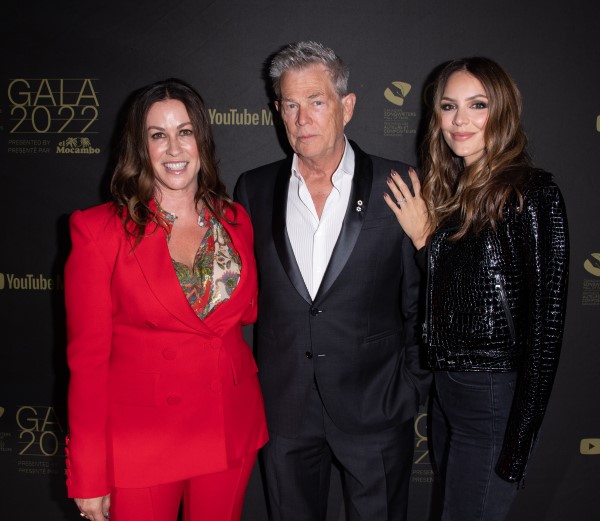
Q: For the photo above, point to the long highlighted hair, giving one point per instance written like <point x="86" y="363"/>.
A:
<point x="475" y="195"/>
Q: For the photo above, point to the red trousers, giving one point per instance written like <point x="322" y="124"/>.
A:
<point x="214" y="497"/>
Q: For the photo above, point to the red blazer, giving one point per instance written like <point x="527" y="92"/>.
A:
<point x="156" y="394"/>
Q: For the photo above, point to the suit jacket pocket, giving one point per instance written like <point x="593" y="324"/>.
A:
<point x="387" y="390"/>
<point x="133" y="388"/>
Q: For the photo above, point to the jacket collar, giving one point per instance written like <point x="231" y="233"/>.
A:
<point x="154" y="259"/>
<point x="351" y="227"/>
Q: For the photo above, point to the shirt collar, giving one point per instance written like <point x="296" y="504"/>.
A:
<point x="346" y="166"/>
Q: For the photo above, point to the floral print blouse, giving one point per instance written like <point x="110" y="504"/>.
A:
<point x="217" y="266"/>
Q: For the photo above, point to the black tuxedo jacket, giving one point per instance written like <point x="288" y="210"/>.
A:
<point x="358" y="337"/>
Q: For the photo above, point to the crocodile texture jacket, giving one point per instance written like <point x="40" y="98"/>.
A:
<point x="496" y="302"/>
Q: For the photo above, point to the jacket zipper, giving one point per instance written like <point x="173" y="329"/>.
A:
<point x="504" y="300"/>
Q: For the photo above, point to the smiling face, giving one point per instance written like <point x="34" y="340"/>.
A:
<point x="313" y="114"/>
<point x="463" y="116"/>
<point x="172" y="147"/>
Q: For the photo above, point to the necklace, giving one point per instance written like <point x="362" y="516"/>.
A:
<point x="170" y="217"/>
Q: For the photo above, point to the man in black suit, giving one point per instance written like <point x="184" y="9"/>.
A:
<point x="336" y="336"/>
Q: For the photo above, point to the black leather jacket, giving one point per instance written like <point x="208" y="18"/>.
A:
<point x="496" y="302"/>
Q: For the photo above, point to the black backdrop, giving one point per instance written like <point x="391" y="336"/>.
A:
<point x="67" y="67"/>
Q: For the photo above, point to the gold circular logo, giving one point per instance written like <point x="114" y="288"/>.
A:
<point x="397" y="92"/>
<point x="593" y="265"/>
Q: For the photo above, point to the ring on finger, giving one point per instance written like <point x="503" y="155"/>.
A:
<point x="400" y="201"/>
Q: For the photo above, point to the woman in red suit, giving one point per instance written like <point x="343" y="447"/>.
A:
<point x="164" y="401"/>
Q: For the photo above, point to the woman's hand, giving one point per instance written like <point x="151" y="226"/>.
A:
<point x="409" y="209"/>
<point x="94" y="509"/>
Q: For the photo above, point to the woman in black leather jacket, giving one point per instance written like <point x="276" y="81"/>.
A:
<point x="491" y="231"/>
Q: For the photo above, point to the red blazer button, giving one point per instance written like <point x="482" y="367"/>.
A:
<point x="173" y="400"/>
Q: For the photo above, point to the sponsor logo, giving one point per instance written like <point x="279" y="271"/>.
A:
<point x="398" y="121"/>
<point x="77" y="146"/>
<point x="590" y="446"/>
<point x="396" y="92"/>
<point x="590" y="295"/>
<point x="31" y="282"/>
<point x="592" y="264"/>
<point x="240" y="118"/>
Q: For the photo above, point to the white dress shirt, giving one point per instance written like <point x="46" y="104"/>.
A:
<point x="313" y="239"/>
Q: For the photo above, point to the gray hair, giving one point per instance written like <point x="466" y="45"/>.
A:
<point x="303" y="54"/>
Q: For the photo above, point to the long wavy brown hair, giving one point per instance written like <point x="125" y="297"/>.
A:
<point x="133" y="184"/>
<point x="475" y="195"/>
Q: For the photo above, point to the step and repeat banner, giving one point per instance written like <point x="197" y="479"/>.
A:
<point x="66" y="71"/>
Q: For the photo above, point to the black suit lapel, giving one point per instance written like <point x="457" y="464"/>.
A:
<point x="353" y="220"/>
<point x="280" y="236"/>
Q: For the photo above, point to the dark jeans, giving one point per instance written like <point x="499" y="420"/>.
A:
<point x="469" y="415"/>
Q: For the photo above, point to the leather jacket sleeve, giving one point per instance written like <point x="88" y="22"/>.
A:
<point x="545" y="247"/>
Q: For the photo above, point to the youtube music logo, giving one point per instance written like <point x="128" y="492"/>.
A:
<point x="590" y="446"/>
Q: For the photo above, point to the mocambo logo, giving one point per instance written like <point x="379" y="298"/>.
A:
<point x="11" y="281"/>
<point x="396" y="92"/>
<point x="592" y="264"/>
<point x="76" y="145"/>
